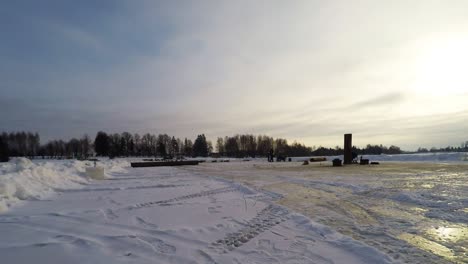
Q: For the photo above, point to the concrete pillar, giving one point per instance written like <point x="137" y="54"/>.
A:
<point x="348" y="145"/>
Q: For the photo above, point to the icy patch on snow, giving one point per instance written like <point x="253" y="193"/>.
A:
<point x="22" y="179"/>
<point x="366" y="253"/>
<point x="445" y="208"/>
<point x="418" y="198"/>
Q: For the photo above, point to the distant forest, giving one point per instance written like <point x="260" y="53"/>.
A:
<point x="27" y="144"/>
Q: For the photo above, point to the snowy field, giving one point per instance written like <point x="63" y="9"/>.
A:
<point x="237" y="212"/>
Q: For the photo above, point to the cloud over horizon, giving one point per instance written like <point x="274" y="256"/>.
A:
<point x="304" y="70"/>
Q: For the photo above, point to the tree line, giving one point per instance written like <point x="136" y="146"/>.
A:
<point x="252" y="146"/>
<point x="147" y="145"/>
<point x="24" y="144"/>
<point x="27" y="144"/>
<point x="462" y="148"/>
<point x="162" y="145"/>
<point x="368" y="150"/>
<point x="247" y="145"/>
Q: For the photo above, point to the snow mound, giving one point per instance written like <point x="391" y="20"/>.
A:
<point x="22" y="163"/>
<point x="115" y="165"/>
<point x="22" y="179"/>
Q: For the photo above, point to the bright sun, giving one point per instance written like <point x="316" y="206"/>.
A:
<point x="442" y="68"/>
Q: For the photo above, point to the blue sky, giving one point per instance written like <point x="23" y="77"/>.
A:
<point x="389" y="72"/>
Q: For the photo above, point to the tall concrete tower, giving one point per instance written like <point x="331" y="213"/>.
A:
<point x="348" y="145"/>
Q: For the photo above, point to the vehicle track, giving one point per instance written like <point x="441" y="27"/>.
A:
<point x="185" y="197"/>
<point x="265" y="219"/>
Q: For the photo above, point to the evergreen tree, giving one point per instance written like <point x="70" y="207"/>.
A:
<point x="175" y="147"/>
<point x="165" y="139"/>
<point x="127" y="142"/>
<point x="188" y="147"/>
<point x="220" y="146"/>
<point x="4" y="152"/>
<point x="101" y="144"/>
<point x="115" y="145"/>
<point x="161" y="149"/>
<point x="231" y="146"/>
<point x="181" y="146"/>
<point x="85" y="146"/>
<point x="200" y="147"/>
<point x="73" y="148"/>
<point x="137" y="148"/>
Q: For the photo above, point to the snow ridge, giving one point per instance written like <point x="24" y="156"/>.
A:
<point x="22" y="179"/>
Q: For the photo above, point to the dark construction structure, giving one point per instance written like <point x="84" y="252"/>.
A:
<point x="348" y="145"/>
<point x="163" y="163"/>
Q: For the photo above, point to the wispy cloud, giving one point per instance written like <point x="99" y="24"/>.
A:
<point x="379" y="101"/>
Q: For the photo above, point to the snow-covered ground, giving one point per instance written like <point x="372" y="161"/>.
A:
<point x="413" y="212"/>
<point x="433" y="157"/>
<point x="436" y="157"/>
<point x="236" y="212"/>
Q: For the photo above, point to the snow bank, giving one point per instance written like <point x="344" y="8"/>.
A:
<point x="22" y="179"/>
<point x="114" y="166"/>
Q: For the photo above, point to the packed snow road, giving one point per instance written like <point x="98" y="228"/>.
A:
<point x="166" y="215"/>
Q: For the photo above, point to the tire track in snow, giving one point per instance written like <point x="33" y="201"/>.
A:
<point x="267" y="218"/>
<point x="122" y="188"/>
<point x="182" y="198"/>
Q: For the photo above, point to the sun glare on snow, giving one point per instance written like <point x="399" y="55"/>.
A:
<point x="441" y="67"/>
